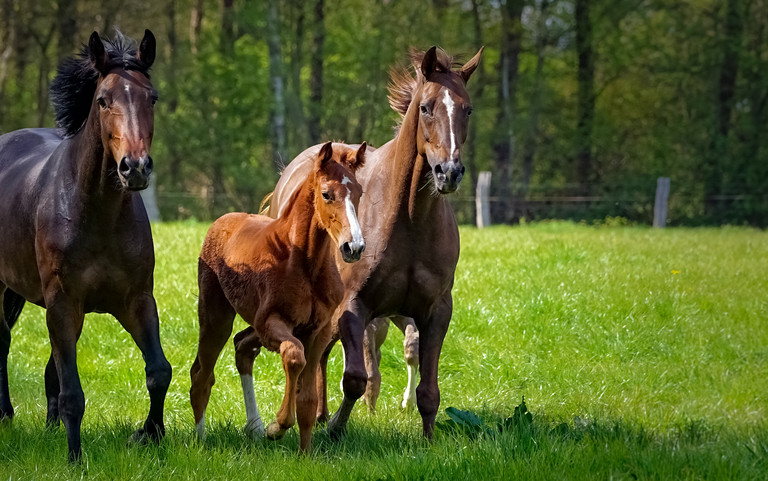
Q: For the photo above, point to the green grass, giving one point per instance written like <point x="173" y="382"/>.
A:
<point x="641" y="353"/>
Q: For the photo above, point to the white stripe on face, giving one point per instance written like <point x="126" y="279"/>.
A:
<point x="448" y="101"/>
<point x="357" y="233"/>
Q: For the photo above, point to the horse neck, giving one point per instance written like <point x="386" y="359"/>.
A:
<point x="305" y="234"/>
<point x="416" y="199"/>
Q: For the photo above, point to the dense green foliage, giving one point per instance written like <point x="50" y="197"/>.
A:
<point x="640" y="353"/>
<point x="677" y="89"/>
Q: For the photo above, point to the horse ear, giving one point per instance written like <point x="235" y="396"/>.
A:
<point x="429" y="62"/>
<point x="147" y="48"/>
<point x="469" y="67"/>
<point x="359" y="159"/>
<point x="324" y="155"/>
<point x="96" y="53"/>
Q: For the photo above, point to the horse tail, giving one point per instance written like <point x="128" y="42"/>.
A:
<point x="264" y="206"/>
<point x="12" y="306"/>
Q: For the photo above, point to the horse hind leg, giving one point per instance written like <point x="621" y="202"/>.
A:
<point x="10" y="309"/>
<point x="411" y="354"/>
<point x="374" y="336"/>
<point x="216" y="316"/>
<point x="247" y="346"/>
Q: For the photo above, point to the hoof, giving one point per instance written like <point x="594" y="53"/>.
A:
<point x="336" y="430"/>
<point x="274" y="431"/>
<point x="141" y="437"/>
<point x="408" y="404"/>
<point x="6" y="414"/>
<point x="254" y="430"/>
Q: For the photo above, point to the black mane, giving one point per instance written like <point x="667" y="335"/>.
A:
<point x="73" y="88"/>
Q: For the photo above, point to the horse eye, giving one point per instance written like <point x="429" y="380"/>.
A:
<point x="102" y="103"/>
<point x="424" y="110"/>
<point x="469" y="111"/>
<point x="326" y="196"/>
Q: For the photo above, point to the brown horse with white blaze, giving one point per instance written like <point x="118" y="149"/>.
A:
<point x="413" y="239"/>
<point x="75" y="235"/>
<point x="280" y="275"/>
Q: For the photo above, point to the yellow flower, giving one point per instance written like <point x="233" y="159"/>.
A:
<point x="675" y="272"/>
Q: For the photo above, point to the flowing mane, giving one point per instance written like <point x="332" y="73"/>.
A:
<point x="76" y="78"/>
<point x="402" y="83"/>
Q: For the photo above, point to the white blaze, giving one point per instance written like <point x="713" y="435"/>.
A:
<point x="448" y="101"/>
<point x="357" y="232"/>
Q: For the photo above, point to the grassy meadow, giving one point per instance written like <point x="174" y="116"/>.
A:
<point x="641" y="353"/>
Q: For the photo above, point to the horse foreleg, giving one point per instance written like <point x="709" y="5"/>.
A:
<point x="374" y="336"/>
<point x="411" y="354"/>
<point x="351" y="330"/>
<point x="141" y="322"/>
<point x="431" y="339"/>
<point x="278" y="336"/>
<point x="247" y="346"/>
<point x="306" y="396"/>
<point x="65" y="323"/>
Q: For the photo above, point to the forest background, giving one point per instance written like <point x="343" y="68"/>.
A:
<point x="579" y="105"/>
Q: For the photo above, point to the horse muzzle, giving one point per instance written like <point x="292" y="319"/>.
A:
<point x="352" y="251"/>
<point x="448" y="175"/>
<point x="134" y="173"/>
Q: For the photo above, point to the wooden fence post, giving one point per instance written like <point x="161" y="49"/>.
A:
<point x="482" y="203"/>
<point x="660" y="207"/>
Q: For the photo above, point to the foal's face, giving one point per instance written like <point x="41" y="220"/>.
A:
<point x="337" y="196"/>
<point x="125" y="101"/>
<point x="444" y="110"/>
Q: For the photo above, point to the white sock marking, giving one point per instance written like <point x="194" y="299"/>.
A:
<point x="409" y="397"/>
<point x="253" y="424"/>
<point x="200" y="427"/>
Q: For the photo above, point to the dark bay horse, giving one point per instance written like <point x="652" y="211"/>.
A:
<point x="413" y="240"/>
<point x="75" y="236"/>
<point x="280" y="275"/>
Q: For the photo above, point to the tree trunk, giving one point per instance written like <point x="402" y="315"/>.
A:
<point x="316" y="74"/>
<point x="195" y="24"/>
<point x="477" y="87"/>
<point x="7" y="41"/>
<point x="504" y="144"/>
<point x="276" y="80"/>
<point x="294" y="105"/>
<point x="531" y="139"/>
<point x="586" y="96"/>
<point x="718" y="158"/>
<point x="172" y="92"/>
<point x="227" y="34"/>
<point x="66" y="19"/>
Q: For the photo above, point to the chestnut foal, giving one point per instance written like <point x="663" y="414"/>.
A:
<point x="281" y="277"/>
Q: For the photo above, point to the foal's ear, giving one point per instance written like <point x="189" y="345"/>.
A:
<point x="324" y="155"/>
<point x="429" y="62"/>
<point x="147" y="48"/>
<point x="97" y="54"/>
<point x="469" y="67"/>
<point x="358" y="160"/>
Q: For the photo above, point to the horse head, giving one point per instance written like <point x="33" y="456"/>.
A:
<point x="339" y="196"/>
<point x="124" y="101"/>
<point x="440" y="95"/>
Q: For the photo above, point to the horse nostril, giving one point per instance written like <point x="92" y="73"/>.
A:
<point x="123" y="167"/>
<point x="438" y="169"/>
<point x="346" y="250"/>
<point x="148" y="165"/>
